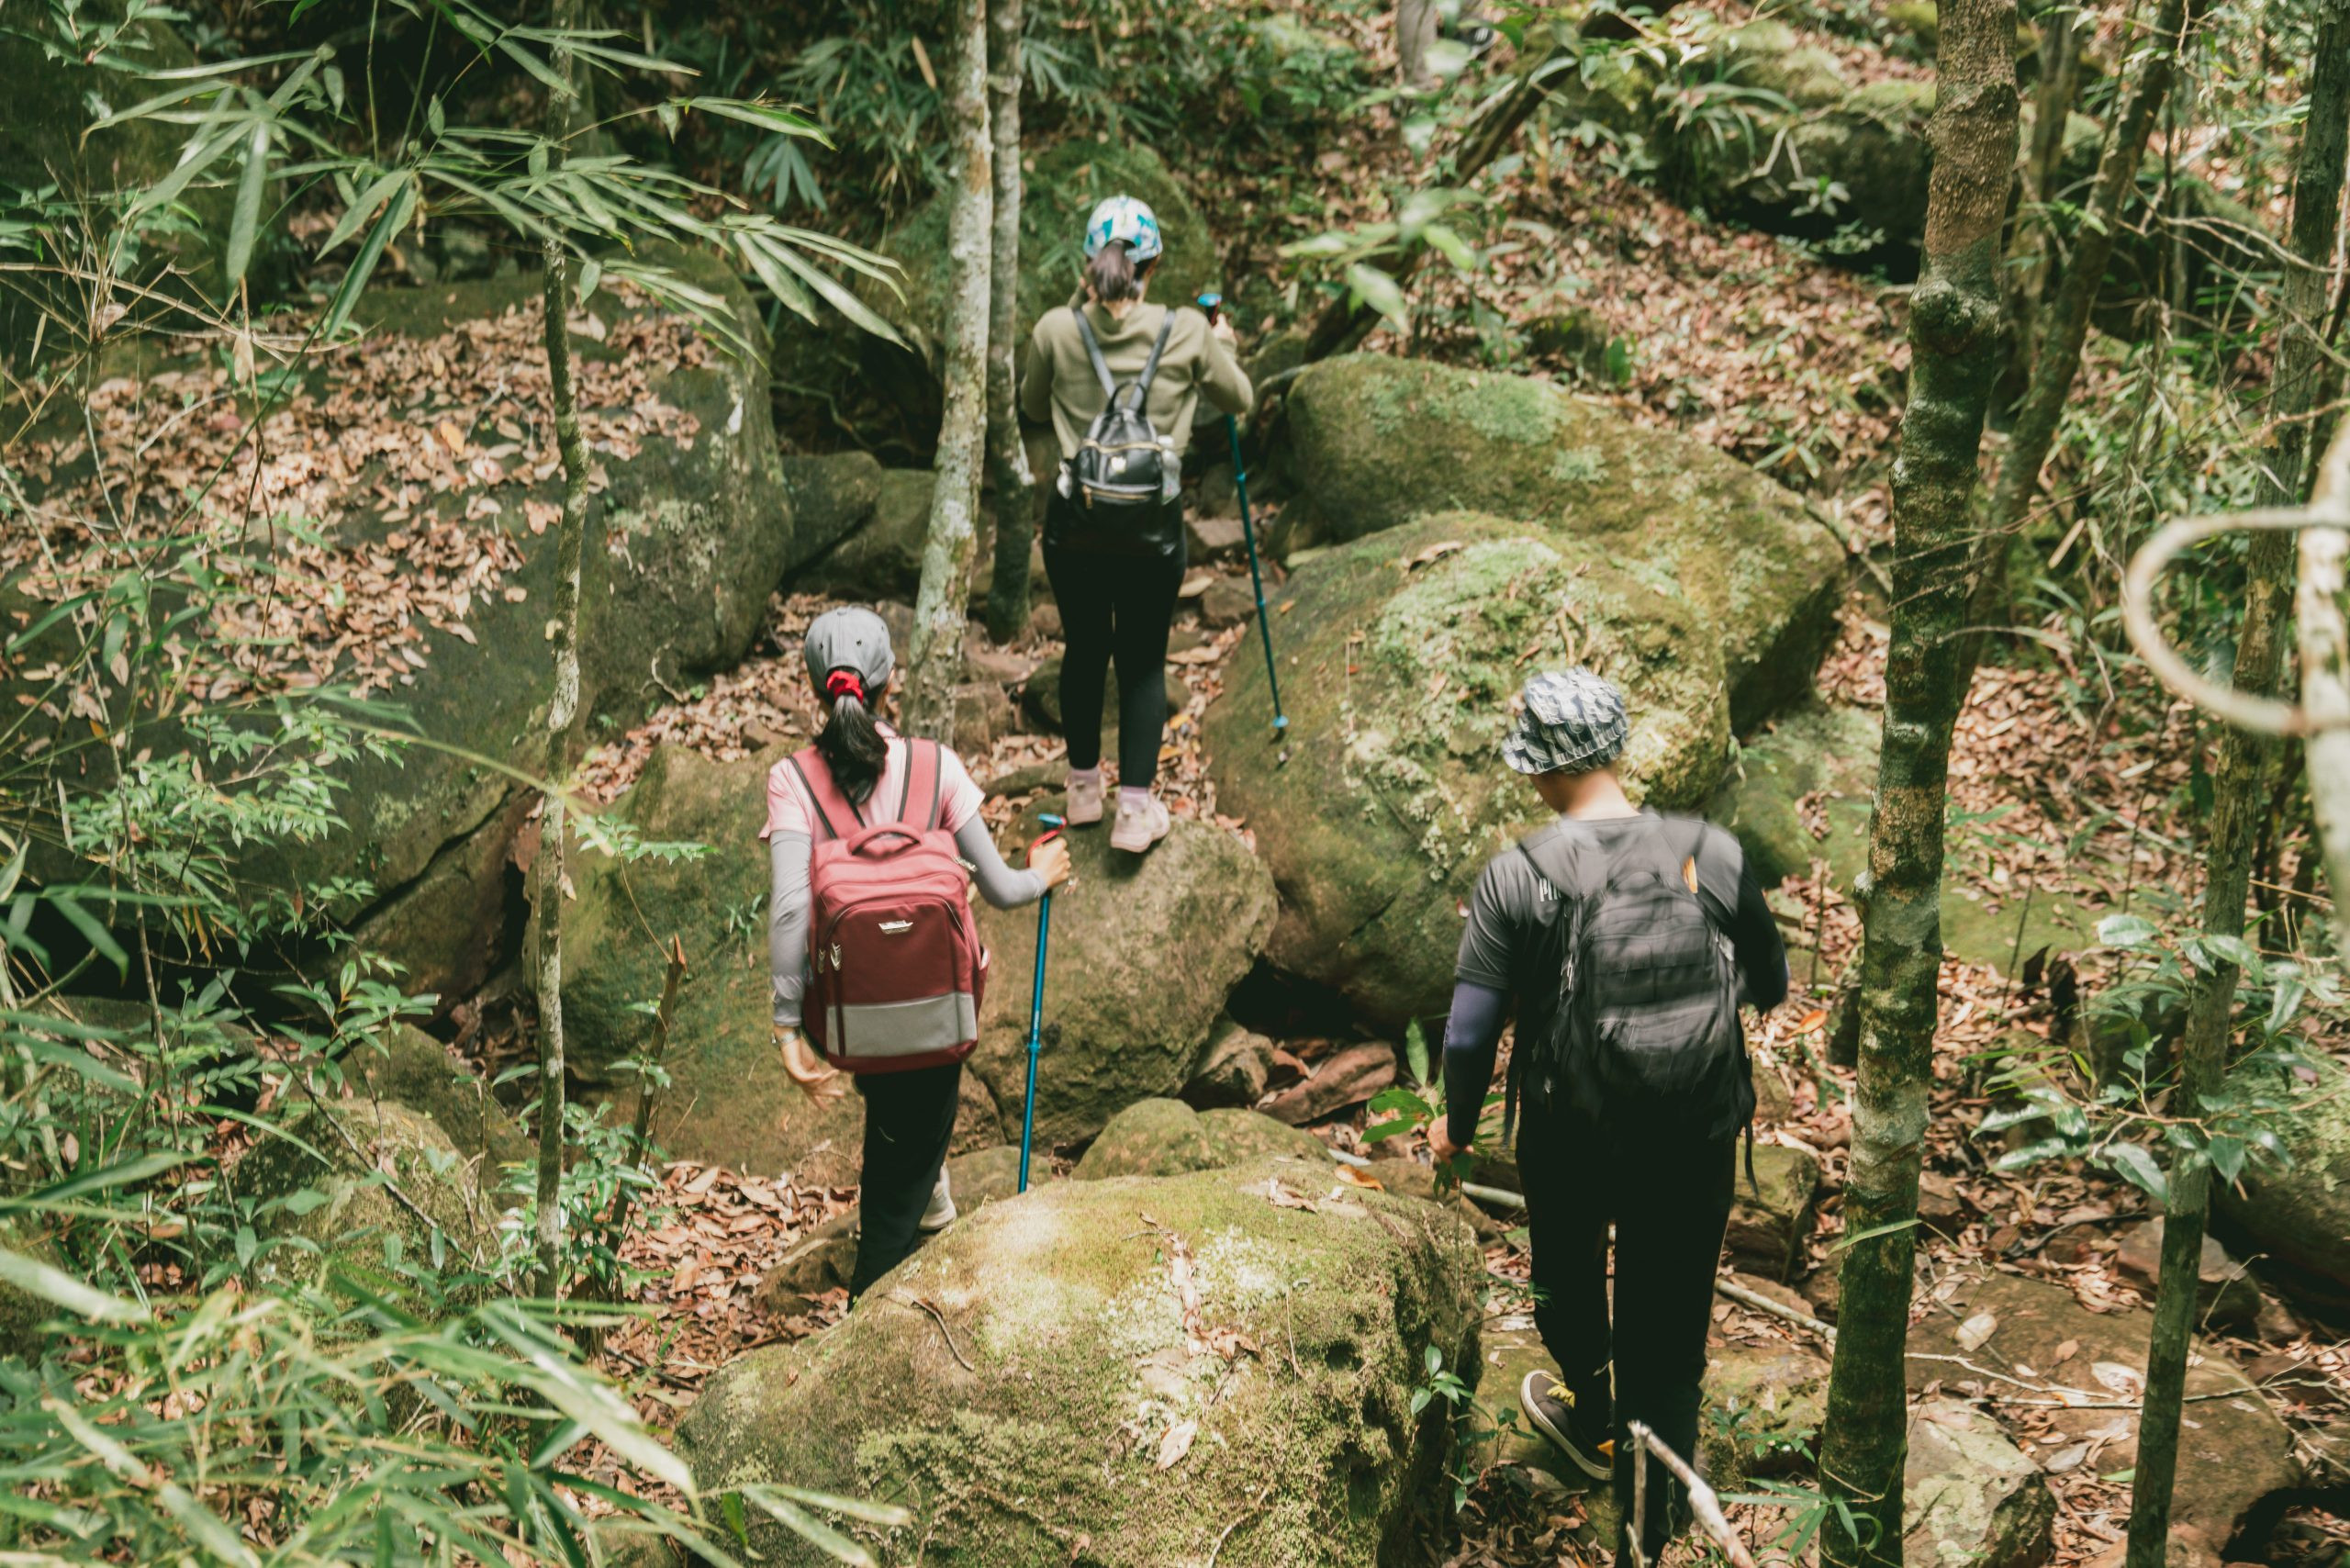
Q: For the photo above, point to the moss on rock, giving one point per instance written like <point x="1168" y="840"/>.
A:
<point x="1376" y="442"/>
<point x="1381" y="803"/>
<point x="1167" y="1137"/>
<point x="410" y="1066"/>
<point x="1027" y="1422"/>
<point x="1143" y="953"/>
<point x="2302" y="1212"/>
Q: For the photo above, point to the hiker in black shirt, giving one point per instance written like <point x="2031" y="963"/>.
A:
<point x="1632" y="1075"/>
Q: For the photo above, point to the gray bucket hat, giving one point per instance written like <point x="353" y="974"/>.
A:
<point x="1567" y="724"/>
<point x="850" y="638"/>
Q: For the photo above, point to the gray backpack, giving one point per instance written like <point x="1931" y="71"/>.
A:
<point x="1124" y="461"/>
<point x="1645" y="1037"/>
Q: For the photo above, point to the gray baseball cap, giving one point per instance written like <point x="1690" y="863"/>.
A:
<point x="854" y="638"/>
<point x="1567" y="724"/>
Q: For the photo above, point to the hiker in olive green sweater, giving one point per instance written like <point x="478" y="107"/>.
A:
<point x="1116" y="565"/>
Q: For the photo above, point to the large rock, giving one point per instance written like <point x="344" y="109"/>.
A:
<point x="1062" y="185"/>
<point x="1820" y="762"/>
<point x="431" y="492"/>
<point x="2300" y="1212"/>
<point x="2236" y="1456"/>
<point x="1376" y="442"/>
<point x="1143" y="952"/>
<point x="1032" y="1385"/>
<point x="879" y="555"/>
<point x="1167" y="1137"/>
<point x="407" y="1065"/>
<point x="393" y="1203"/>
<point x="46" y="140"/>
<point x="1970" y="1497"/>
<point x="727" y="1101"/>
<point x="1767" y="1403"/>
<point x="1378" y="805"/>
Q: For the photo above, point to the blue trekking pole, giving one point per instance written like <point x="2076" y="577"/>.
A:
<point x="1214" y="305"/>
<point x="1037" y="1008"/>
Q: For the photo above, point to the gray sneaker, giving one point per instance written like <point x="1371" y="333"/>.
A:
<point x="1140" y="827"/>
<point x="1549" y="1409"/>
<point x="941" y="1212"/>
<point x="1085" y="800"/>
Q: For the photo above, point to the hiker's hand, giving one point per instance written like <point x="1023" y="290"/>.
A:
<point x="1440" y="1144"/>
<point x="817" y="1080"/>
<point x="1050" y="861"/>
<point x="1221" y="329"/>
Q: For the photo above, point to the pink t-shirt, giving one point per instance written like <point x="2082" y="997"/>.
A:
<point x="789" y="809"/>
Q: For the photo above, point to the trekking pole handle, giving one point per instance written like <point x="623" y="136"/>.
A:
<point x="1213" y="303"/>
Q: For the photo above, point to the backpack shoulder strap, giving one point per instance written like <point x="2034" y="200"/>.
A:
<point x="1093" y="353"/>
<point x="823" y="795"/>
<point x="924" y="783"/>
<point x="1566" y="860"/>
<point x="1151" y="365"/>
<point x="1710" y="861"/>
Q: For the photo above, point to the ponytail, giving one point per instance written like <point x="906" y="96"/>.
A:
<point x="853" y="749"/>
<point x="1113" y="275"/>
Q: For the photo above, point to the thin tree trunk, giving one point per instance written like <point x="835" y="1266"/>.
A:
<point x="1007" y="458"/>
<point x="2058" y="361"/>
<point x="1416" y="23"/>
<point x="2323" y="596"/>
<point x="563" y="708"/>
<point x="1955" y="335"/>
<point x="935" y="662"/>
<point x="2238" y="797"/>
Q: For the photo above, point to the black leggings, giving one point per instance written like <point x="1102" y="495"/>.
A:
<point x="1670" y="1204"/>
<point x="1114" y="606"/>
<point x="909" y="1118"/>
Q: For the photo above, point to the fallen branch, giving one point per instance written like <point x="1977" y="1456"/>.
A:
<point x="902" y="1299"/>
<point x="1701" y="1501"/>
<point x="1761" y="1302"/>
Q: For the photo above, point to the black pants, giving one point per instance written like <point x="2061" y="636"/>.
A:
<point x="1114" y="607"/>
<point x="1670" y="1205"/>
<point x="909" y="1117"/>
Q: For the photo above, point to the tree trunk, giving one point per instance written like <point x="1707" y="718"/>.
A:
<point x="563" y="706"/>
<point x="563" y="713"/>
<point x="1007" y="458"/>
<point x="2058" y="361"/>
<point x="2236" y="782"/>
<point x="1955" y="334"/>
<point x="935" y="661"/>
<point x="2324" y="593"/>
<point x="1416" y="23"/>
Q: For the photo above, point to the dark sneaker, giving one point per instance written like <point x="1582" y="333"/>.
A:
<point x="1550" y="1408"/>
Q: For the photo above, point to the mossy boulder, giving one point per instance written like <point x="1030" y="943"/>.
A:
<point x="880" y="556"/>
<point x="1167" y="1137"/>
<point x="697" y="535"/>
<point x="1818" y="764"/>
<point x="1063" y="1405"/>
<point x="1376" y="442"/>
<point x="410" y="1066"/>
<point x="46" y="140"/>
<point x="1380" y="804"/>
<point x="2300" y="1212"/>
<point x="1770" y="1217"/>
<point x="390" y="1205"/>
<point x="1063" y="183"/>
<point x="728" y="1100"/>
<point x="833" y="495"/>
<point x="1143" y="952"/>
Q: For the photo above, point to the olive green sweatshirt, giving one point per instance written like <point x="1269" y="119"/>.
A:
<point x="1058" y="381"/>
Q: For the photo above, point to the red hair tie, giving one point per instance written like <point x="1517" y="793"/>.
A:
<point x="844" y="683"/>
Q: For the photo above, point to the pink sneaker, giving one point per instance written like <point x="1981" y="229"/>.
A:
<point x="1084" y="800"/>
<point x="1138" y="827"/>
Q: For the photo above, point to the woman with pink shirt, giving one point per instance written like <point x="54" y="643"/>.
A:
<point x="908" y="1117"/>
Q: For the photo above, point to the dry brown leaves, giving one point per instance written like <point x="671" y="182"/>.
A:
<point x="388" y="494"/>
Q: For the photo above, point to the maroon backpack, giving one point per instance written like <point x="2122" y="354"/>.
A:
<point x="895" y="965"/>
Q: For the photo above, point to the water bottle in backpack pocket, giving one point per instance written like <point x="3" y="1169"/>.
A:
<point x="1645" y="1035"/>
<point x="896" y="968"/>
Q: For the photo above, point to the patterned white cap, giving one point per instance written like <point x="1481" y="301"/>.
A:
<point x="1568" y="723"/>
